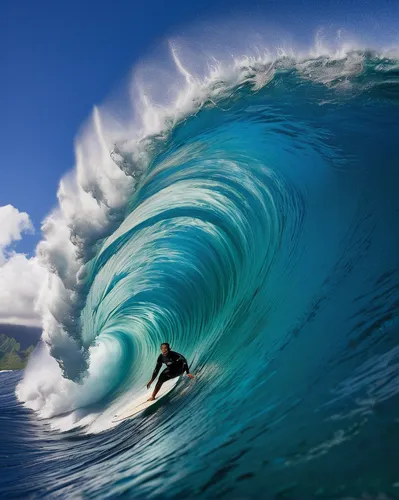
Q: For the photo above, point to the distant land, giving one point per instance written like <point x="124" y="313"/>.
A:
<point x="16" y="344"/>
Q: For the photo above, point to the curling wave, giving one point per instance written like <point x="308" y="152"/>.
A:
<point x="221" y="223"/>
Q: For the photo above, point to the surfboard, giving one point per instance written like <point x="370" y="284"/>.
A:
<point x="140" y="404"/>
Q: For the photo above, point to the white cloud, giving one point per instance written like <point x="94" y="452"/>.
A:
<point x="21" y="278"/>
<point x="12" y="224"/>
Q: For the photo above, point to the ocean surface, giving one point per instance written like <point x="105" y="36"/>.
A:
<point x="252" y="223"/>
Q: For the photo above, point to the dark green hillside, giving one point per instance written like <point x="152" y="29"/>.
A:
<point x="11" y="355"/>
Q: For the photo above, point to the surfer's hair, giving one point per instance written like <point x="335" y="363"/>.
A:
<point x="165" y="343"/>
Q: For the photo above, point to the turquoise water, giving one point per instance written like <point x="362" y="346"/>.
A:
<point x="257" y="235"/>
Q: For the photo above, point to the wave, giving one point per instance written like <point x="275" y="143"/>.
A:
<point x="195" y="222"/>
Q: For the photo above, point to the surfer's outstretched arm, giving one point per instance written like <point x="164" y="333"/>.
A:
<point x="156" y="371"/>
<point x="185" y="365"/>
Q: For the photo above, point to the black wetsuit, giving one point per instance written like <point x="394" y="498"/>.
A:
<point x="176" y="364"/>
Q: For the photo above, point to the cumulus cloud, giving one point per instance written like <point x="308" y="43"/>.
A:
<point x="21" y="278"/>
<point x="12" y="224"/>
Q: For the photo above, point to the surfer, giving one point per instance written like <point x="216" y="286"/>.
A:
<point x="176" y="365"/>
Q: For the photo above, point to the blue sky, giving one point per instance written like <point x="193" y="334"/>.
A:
<point x="60" y="58"/>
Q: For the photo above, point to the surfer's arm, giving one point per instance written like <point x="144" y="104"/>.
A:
<point x="185" y="365"/>
<point x="184" y="361"/>
<point x="156" y="369"/>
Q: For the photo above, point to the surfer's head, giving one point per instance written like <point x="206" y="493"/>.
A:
<point x="165" y="348"/>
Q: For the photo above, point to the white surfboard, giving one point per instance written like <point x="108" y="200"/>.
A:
<point x="141" y="403"/>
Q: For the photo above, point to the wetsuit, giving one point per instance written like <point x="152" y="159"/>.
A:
<point x="176" y="364"/>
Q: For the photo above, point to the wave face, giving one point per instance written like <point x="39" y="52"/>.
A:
<point x="253" y="226"/>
